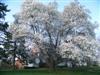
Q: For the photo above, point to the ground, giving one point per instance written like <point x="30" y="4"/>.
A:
<point x="49" y="72"/>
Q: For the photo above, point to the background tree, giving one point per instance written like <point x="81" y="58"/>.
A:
<point x="5" y="35"/>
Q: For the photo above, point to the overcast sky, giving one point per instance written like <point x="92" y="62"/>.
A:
<point x="92" y="5"/>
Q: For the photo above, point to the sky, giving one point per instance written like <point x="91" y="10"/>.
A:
<point x="92" y="5"/>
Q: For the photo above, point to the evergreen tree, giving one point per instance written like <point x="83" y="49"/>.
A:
<point x="5" y="36"/>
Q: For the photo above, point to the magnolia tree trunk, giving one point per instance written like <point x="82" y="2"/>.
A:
<point x="50" y="62"/>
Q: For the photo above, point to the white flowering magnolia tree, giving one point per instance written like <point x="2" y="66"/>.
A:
<point x="77" y="20"/>
<point x="41" y="24"/>
<point x="69" y="34"/>
<point x="81" y="47"/>
<point x="82" y="50"/>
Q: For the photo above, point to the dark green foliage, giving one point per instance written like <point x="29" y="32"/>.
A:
<point x="4" y="25"/>
<point x="5" y="36"/>
<point x="3" y="10"/>
<point x="21" y="51"/>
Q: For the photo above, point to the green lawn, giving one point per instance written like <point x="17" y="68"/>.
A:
<point x="49" y="72"/>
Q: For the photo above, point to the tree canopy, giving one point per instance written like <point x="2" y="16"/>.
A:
<point x="68" y="34"/>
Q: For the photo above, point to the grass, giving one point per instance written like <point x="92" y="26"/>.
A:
<point x="49" y="72"/>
